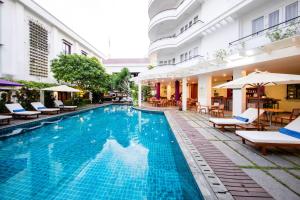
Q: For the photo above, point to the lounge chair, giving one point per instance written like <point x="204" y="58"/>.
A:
<point x="289" y="136"/>
<point x="38" y="106"/>
<point x="60" y="104"/>
<point x="5" y="119"/>
<point x="17" y="110"/>
<point x="246" y="118"/>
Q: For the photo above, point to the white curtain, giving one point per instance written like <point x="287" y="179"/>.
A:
<point x="274" y="18"/>
<point x="291" y="11"/>
<point x="258" y="25"/>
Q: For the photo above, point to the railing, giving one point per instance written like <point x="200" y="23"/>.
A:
<point x="174" y="35"/>
<point x="174" y="64"/>
<point x="287" y="23"/>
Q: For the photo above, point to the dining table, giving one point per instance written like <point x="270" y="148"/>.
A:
<point x="270" y="112"/>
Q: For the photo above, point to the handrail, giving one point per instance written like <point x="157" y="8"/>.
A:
<point x="181" y="61"/>
<point x="269" y="28"/>
<point x="176" y="35"/>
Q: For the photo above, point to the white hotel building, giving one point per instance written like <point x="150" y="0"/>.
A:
<point x="30" y="37"/>
<point x="203" y="43"/>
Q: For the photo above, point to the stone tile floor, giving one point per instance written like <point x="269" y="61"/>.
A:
<point x="278" y="172"/>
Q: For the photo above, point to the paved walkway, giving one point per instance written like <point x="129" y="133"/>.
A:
<point x="241" y="168"/>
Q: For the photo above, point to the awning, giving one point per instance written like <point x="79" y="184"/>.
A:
<point x="9" y="83"/>
<point x="61" y="88"/>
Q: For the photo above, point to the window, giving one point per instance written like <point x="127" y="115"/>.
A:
<point x="165" y="62"/>
<point x="161" y="62"/>
<point x="291" y="11"/>
<point x="196" y="51"/>
<point x="38" y="50"/>
<point x="181" y="57"/>
<point x="274" y="18"/>
<point x="84" y="53"/>
<point x="182" y="30"/>
<point x="258" y="25"/>
<point x="67" y="47"/>
<point x="185" y="56"/>
<point x="186" y="27"/>
<point x="190" y="23"/>
<point x="169" y="62"/>
<point x="196" y="19"/>
<point x="293" y="91"/>
<point x="173" y="61"/>
<point x="190" y="54"/>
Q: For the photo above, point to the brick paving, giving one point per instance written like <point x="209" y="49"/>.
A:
<point x="237" y="182"/>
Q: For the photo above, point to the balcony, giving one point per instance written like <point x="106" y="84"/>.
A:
<point x="173" y="13"/>
<point x="282" y="35"/>
<point x="157" y="6"/>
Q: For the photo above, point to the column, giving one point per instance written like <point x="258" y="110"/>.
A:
<point x="177" y="85"/>
<point x="169" y="91"/>
<point x="204" y="90"/>
<point x="238" y="95"/>
<point x="158" y="90"/>
<point x="42" y="96"/>
<point x="140" y="94"/>
<point x="184" y="94"/>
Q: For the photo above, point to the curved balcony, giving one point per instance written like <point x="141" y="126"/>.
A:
<point x="173" y="14"/>
<point x="157" y="6"/>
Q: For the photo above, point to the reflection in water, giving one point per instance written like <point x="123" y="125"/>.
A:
<point x="108" y="152"/>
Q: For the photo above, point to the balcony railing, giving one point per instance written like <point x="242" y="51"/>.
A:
<point x="181" y="62"/>
<point x="177" y="35"/>
<point x="280" y="26"/>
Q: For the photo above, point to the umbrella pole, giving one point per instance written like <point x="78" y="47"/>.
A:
<point x="258" y="108"/>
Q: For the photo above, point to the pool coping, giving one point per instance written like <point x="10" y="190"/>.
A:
<point x="38" y="121"/>
<point x="208" y="182"/>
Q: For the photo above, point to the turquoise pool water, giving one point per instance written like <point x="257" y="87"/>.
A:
<point x="114" y="152"/>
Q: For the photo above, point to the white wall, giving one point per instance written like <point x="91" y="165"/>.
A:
<point x="14" y="53"/>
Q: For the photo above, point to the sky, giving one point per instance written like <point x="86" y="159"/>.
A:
<point x="124" y="23"/>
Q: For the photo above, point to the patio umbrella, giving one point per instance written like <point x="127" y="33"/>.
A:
<point x="260" y="79"/>
<point x="9" y="83"/>
<point x="61" y="88"/>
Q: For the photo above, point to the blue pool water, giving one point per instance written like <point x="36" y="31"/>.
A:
<point x="114" y="152"/>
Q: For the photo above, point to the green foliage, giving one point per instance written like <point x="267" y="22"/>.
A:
<point x="87" y="73"/>
<point x="25" y="96"/>
<point x="35" y="85"/>
<point x="151" y="67"/>
<point x="221" y="54"/>
<point x="49" y="99"/>
<point x="134" y="94"/>
<point x="146" y="92"/>
<point x="279" y="34"/>
<point x="121" y="81"/>
<point x="3" y="101"/>
<point x="77" y="101"/>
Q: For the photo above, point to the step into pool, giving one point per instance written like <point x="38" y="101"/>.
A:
<point x="113" y="152"/>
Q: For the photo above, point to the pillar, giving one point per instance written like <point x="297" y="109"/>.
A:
<point x="158" y="90"/>
<point x="238" y="95"/>
<point x="177" y="85"/>
<point x="140" y="94"/>
<point x="204" y="90"/>
<point x="184" y="94"/>
<point x="42" y="96"/>
<point x="169" y="91"/>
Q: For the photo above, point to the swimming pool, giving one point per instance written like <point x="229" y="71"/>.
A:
<point x="114" y="152"/>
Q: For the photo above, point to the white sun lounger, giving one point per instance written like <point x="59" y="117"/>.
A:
<point x="17" y="110"/>
<point x="60" y="104"/>
<point x="38" y="106"/>
<point x="5" y="119"/>
<point x="247" y="117"/>
<point x="289" y="136"/>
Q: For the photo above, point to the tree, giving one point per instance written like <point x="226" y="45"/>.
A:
<point x="121" y="81"/>
<point x="87" y="73"/>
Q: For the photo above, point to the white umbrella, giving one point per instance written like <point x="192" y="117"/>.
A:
<point x="260" y="79"/>
<point x="61" y="88"/>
